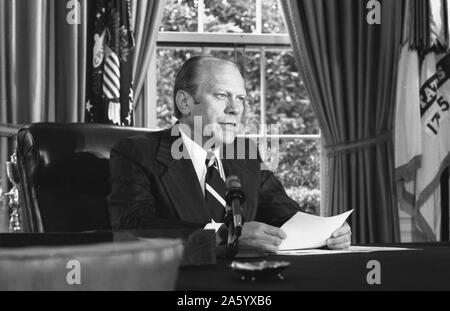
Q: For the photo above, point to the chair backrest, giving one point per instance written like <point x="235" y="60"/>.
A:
<point x="64" y="172"/>
<point x="150" y="264"/>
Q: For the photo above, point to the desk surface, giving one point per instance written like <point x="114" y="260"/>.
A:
<point x="427" y="268"/>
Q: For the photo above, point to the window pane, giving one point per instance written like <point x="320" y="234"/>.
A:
<point x="168" y="63"/>
<point x="272" y="17"/>
<point x="296" y="163"/>
<point x="252" y="76"/>
<point x="235" y="16"/>
<point x="287" y="100"/>
<point x="180" y="15"/>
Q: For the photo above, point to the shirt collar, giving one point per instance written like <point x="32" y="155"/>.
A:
<point x="196" y="152"/>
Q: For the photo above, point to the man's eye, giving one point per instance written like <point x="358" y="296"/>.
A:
<point x="241" y="99"/>
<point x="221" y="96"/>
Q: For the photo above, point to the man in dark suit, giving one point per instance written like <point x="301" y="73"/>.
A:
<point x="175" y="178"/>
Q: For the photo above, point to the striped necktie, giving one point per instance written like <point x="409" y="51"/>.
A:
<point x="215" y="191"/>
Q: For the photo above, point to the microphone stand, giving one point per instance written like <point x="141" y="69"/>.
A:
<point x="234" y="234"/>
<point x="232" y="249"/>
<point x="235" y="199"/>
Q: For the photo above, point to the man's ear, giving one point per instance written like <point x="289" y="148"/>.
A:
<point x="184" y="102"/>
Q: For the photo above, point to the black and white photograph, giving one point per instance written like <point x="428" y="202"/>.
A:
<point x="225" y="151"/>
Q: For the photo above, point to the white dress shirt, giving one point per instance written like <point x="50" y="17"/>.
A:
<point x="198" y="157"/>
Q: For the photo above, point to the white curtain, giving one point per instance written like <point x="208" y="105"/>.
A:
<point x="146" y="16"/>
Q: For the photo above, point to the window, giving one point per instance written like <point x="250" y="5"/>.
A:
<point x="253" y="34"/>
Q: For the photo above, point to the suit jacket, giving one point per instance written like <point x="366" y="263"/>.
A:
<point x="151" y="189"/>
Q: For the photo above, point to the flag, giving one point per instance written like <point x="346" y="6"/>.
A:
<point x="407" y="125"/>
<point x="422" y="127"/>
<point x="419" y="190"/>
<point x="109" y="85"/>
<point x="408" y="143"/>
<point x="435" y="123"/>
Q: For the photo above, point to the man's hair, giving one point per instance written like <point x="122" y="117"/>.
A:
<point x="187" y="78"/>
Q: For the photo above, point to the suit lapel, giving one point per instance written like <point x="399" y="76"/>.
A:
<point x="181" y="183"/>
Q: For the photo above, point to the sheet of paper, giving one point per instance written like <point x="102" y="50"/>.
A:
<point x="351" y="249"/>
<point x="310" y="231"/>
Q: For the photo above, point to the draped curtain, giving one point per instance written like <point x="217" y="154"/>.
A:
<point x="146" y="17"/>
<point x="350" y="70"/>
<point x="42" y="61"/>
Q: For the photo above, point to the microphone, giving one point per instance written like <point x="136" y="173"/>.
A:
<point x="235" y="198"/>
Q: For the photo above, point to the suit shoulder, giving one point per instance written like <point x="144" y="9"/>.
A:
<point x="242" y="148"/>
<point x="146" y="143"/>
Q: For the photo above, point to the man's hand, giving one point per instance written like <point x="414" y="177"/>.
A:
<point x="341" y="238"/>
<point x="262" y="236"/>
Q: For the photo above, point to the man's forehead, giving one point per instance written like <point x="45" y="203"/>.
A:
<point x="219" y="72"/>
<point x="217" y="66"/>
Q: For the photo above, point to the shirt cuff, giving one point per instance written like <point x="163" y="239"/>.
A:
<point x="213" y="225"/>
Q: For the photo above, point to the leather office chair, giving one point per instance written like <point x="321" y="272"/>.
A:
<point x="64" y="172"/>
<point x="134" y="265"/>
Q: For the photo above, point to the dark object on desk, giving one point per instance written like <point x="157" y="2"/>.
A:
<point x="259" y="269"/>
<point x="250" y="252"/>
<point x="224" y="251"/>
<point x="64" y="174"/>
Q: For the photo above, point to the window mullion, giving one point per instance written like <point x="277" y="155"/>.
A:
<point x="150" y="114"/>
<point x="263" y="91"/>
<point x="201" y="16"/>
<point x="259" y="17"/>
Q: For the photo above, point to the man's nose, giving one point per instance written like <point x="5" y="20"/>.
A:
<point x="233" y="106"/>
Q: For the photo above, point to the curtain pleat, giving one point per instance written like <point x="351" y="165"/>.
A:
<point x="147" y="17"/>
<point x="70" y="53"/>
<point x="350" y="72"/>
<point x="36" y="30"/>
